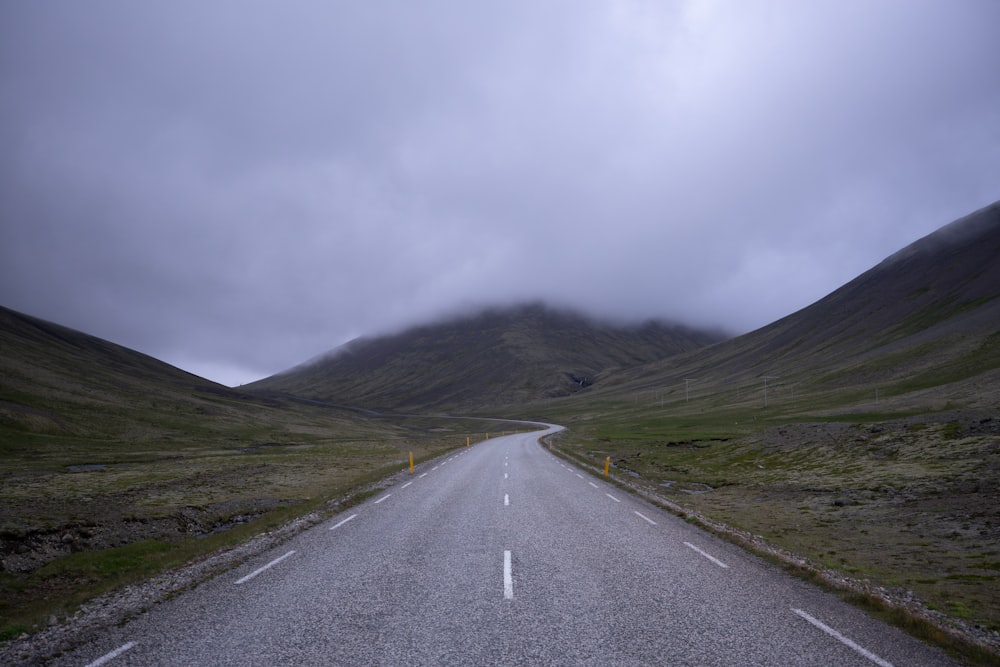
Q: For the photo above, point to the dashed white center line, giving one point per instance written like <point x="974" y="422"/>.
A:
<point x="844" y="640"/>
<point x="579" y="475"/>
<point x="261" y="569"/>
<point x="388" y="495"/>
<point x="111" y="656"/>
<point x="343" y="522"/>
<point x="505" y="475"/>
<point x="406" y="485"/>
<point x="506" y="500"/>
<point x="646" y="518"/>
<point x="422" y="476"/>
<point x="435" y="468"/>
<point x="711" y="558"/>
<point x="592" y="484"/>
<point x="508" y="579"/>
<point x="612" y="497"/>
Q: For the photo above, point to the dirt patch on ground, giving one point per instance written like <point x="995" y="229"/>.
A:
<point x="21" y="553"/>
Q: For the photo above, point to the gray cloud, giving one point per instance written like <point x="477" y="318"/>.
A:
<point x="236" y="186"/>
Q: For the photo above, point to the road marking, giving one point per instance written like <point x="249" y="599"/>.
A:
<point x="383" y="498"/>
<point x="646" y="518"/>
<point x="506" y="500"/>
<point x="111" y="656"/>
<point x="504" y="464"/>
<point x="508" y="580"/>
<point x="261" y="569"/>
<point x="435" y="468"/>
<point x="711" y="558"/>
<point x="505" y="475"/>
<point x="579" y="475"/>
<point x="422" y="476"/>
<point x="592" y="484"/>
<point x="406" y="485"/>
<point x="844" y="640"/>
<point x="612" y="497"/>
<point x="343" y="522"/>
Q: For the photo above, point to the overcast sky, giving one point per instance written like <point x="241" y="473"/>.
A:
<point x="236" y="186"/>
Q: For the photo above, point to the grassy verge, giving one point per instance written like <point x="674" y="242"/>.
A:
<point x="908" y="505"/>
<point x="88" y="511"/>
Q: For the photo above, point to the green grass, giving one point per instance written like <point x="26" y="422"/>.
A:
<point x="227" y="471"/>
<point x="895" y="505"/>
<point x="891" y="494"/>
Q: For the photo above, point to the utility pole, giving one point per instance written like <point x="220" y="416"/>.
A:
<point x="686" y="382"/>
<point x="766" y="378"/>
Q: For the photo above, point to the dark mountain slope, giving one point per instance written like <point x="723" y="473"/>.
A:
<point x="927" y="315"/>
<point x="498" y="357"/>
<point x="53" y="375"/>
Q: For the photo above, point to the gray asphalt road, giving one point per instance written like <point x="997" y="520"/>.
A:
<point x="501" y="554"/>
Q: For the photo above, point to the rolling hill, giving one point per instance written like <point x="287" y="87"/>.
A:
<point x="114" y="465"/>
<point x="922" y="327"/>
<point x="925" y="318"/>
<point x="103" y="446"/>
<point x="495" y="358"/>
<point x="57" y="380"/>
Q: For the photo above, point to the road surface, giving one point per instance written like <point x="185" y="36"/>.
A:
<point x="502" y="554"/>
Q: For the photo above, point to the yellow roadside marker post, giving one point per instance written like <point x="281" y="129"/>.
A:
<point x="467" y="440"/>
<point x="607" y="466"/>
<point x="487" y="436"/>
<point x="411" y="463"/>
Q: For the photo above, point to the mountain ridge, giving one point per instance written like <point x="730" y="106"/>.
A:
<point x="497" y="356"/>
<point x="926" y="314"/>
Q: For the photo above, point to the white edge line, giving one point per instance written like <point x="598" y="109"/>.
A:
<point x="709" y="557"/>
<point x="612" y="497"/>
<point x="111" y="656"/>
<point x="343" y="522"/>
<point x="261" y="569"/>
<point x="406" y="485"/>
<point x="508" y="580"/>
<point x="646" y="518"/>
<point x="844" y="640"/>
<point x="383" y="498"/>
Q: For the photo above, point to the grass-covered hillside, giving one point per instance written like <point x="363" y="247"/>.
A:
<point x="483" y="362"/>
<point x="113" y="464"/>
